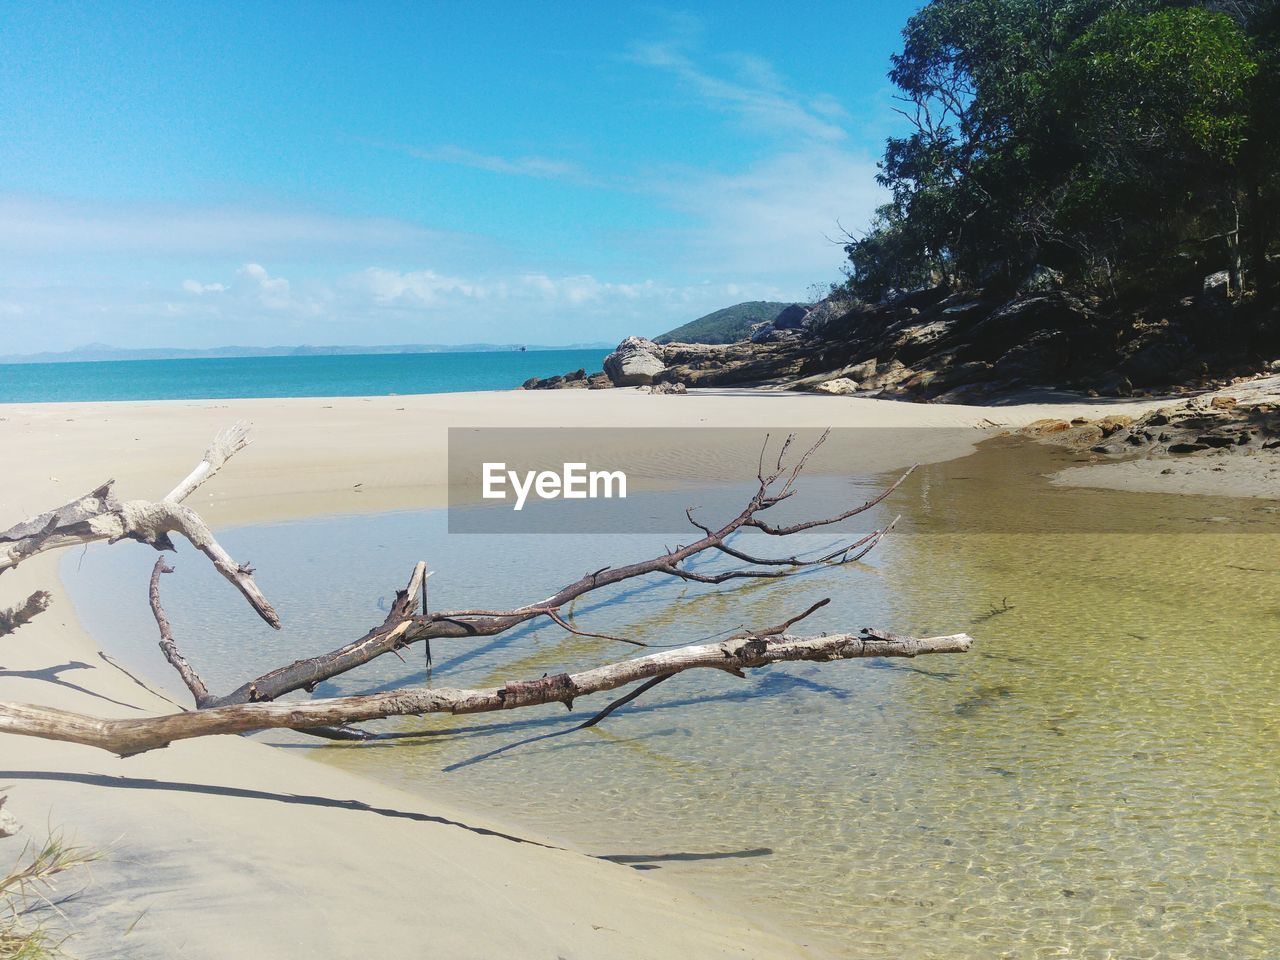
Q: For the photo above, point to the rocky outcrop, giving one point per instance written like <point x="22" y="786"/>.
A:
<point x="840" y="386"/>
<point x="636" y="361"/>
<point x="1214" y="426"/>
<point x="952" y="346"/>
<point x="570" y="381"/>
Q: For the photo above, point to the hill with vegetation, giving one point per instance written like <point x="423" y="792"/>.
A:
<point x="724" y="326"/>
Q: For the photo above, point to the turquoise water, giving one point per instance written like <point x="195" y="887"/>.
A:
<point x="233" y="377"/>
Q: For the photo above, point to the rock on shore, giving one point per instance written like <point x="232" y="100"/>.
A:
<point x="946" y="346"/>
<point x="1226" y="444"/>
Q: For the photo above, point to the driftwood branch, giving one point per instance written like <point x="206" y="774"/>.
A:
<point x="167" y="644"/>
<point x="774" y="486"/>
<point x="137" y="735"/>
<point x="255" y="705"/>
<point x="101" y="516"/>
<point x="224" y="446"/>
<point x="12" y="619"/>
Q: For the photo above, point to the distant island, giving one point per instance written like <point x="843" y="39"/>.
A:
<point x="95" y="352"/>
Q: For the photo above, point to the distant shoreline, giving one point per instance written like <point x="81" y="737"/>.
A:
<point x="102" y="353"/>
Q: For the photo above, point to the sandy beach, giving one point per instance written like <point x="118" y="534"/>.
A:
<point x="226" y="846"/>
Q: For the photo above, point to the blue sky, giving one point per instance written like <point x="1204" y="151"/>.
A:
<point x="197" y="175"/>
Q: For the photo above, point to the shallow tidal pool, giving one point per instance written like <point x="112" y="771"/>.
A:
<point x="1097" y="778"/>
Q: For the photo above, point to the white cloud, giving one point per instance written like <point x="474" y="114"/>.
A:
<point x="417" y="286"/>
<point x="545" y="168"/>
<point x="779" y="217"/>
<point x="198" y="288"/>
<point x="36" y="226"/>
<point x="754" y="92"/>
<point x="266" y="284"/>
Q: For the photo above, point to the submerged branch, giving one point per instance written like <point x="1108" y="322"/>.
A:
<point x="137" y="735"/>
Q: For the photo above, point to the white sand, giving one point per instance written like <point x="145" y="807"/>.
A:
<point x="227" y="847"/>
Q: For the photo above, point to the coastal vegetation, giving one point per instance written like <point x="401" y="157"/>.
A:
<point x="1132" y="145"/>
<point x="28" y="885"/>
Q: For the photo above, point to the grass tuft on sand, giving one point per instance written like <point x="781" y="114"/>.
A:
<point x="30" y="885"/>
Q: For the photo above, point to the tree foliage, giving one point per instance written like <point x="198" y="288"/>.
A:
<point x="1120" y="141"/>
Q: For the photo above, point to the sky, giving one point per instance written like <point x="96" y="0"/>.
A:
<point x="193" y="175"/>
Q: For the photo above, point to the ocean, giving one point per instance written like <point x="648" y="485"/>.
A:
<point x="362" y="375"/>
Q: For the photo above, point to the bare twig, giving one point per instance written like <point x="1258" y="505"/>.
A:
<point x="650" y="684"/>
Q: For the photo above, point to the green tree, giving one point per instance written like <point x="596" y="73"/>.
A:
<point x="1109" y="138"/>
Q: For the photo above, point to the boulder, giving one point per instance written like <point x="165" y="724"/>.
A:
<point x="1156" y="363"/>
<point x="860" y="371"/>
<point x="888" y="377"/>
<point x="771" y="334"/>
<point x="791" y="318"/>
<point x="1012" y="324"/>
<point x="636" y="362"/>
<point x="1217" y="286"/>
<point x="571" y="381"/>
<point x="821" y="317"/>
<point x="1041" y="428"/>
<point x="840" y="386"/>
<point x="1114" y="424"/>
<point x="919" y="298"/>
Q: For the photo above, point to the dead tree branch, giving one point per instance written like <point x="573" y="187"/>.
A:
<point x="100" y="516"/>
<point x="224" y="446"/>
<point x="255" y="705"/>
<point x="773" y="488"/>
<point x="131" y="736"/>
<point x="13" y="618"/>
<point x="167" y="644"/>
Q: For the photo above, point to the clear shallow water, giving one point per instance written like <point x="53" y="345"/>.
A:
<point x="344" y="376"/>
<point x="1096" y="779"/>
